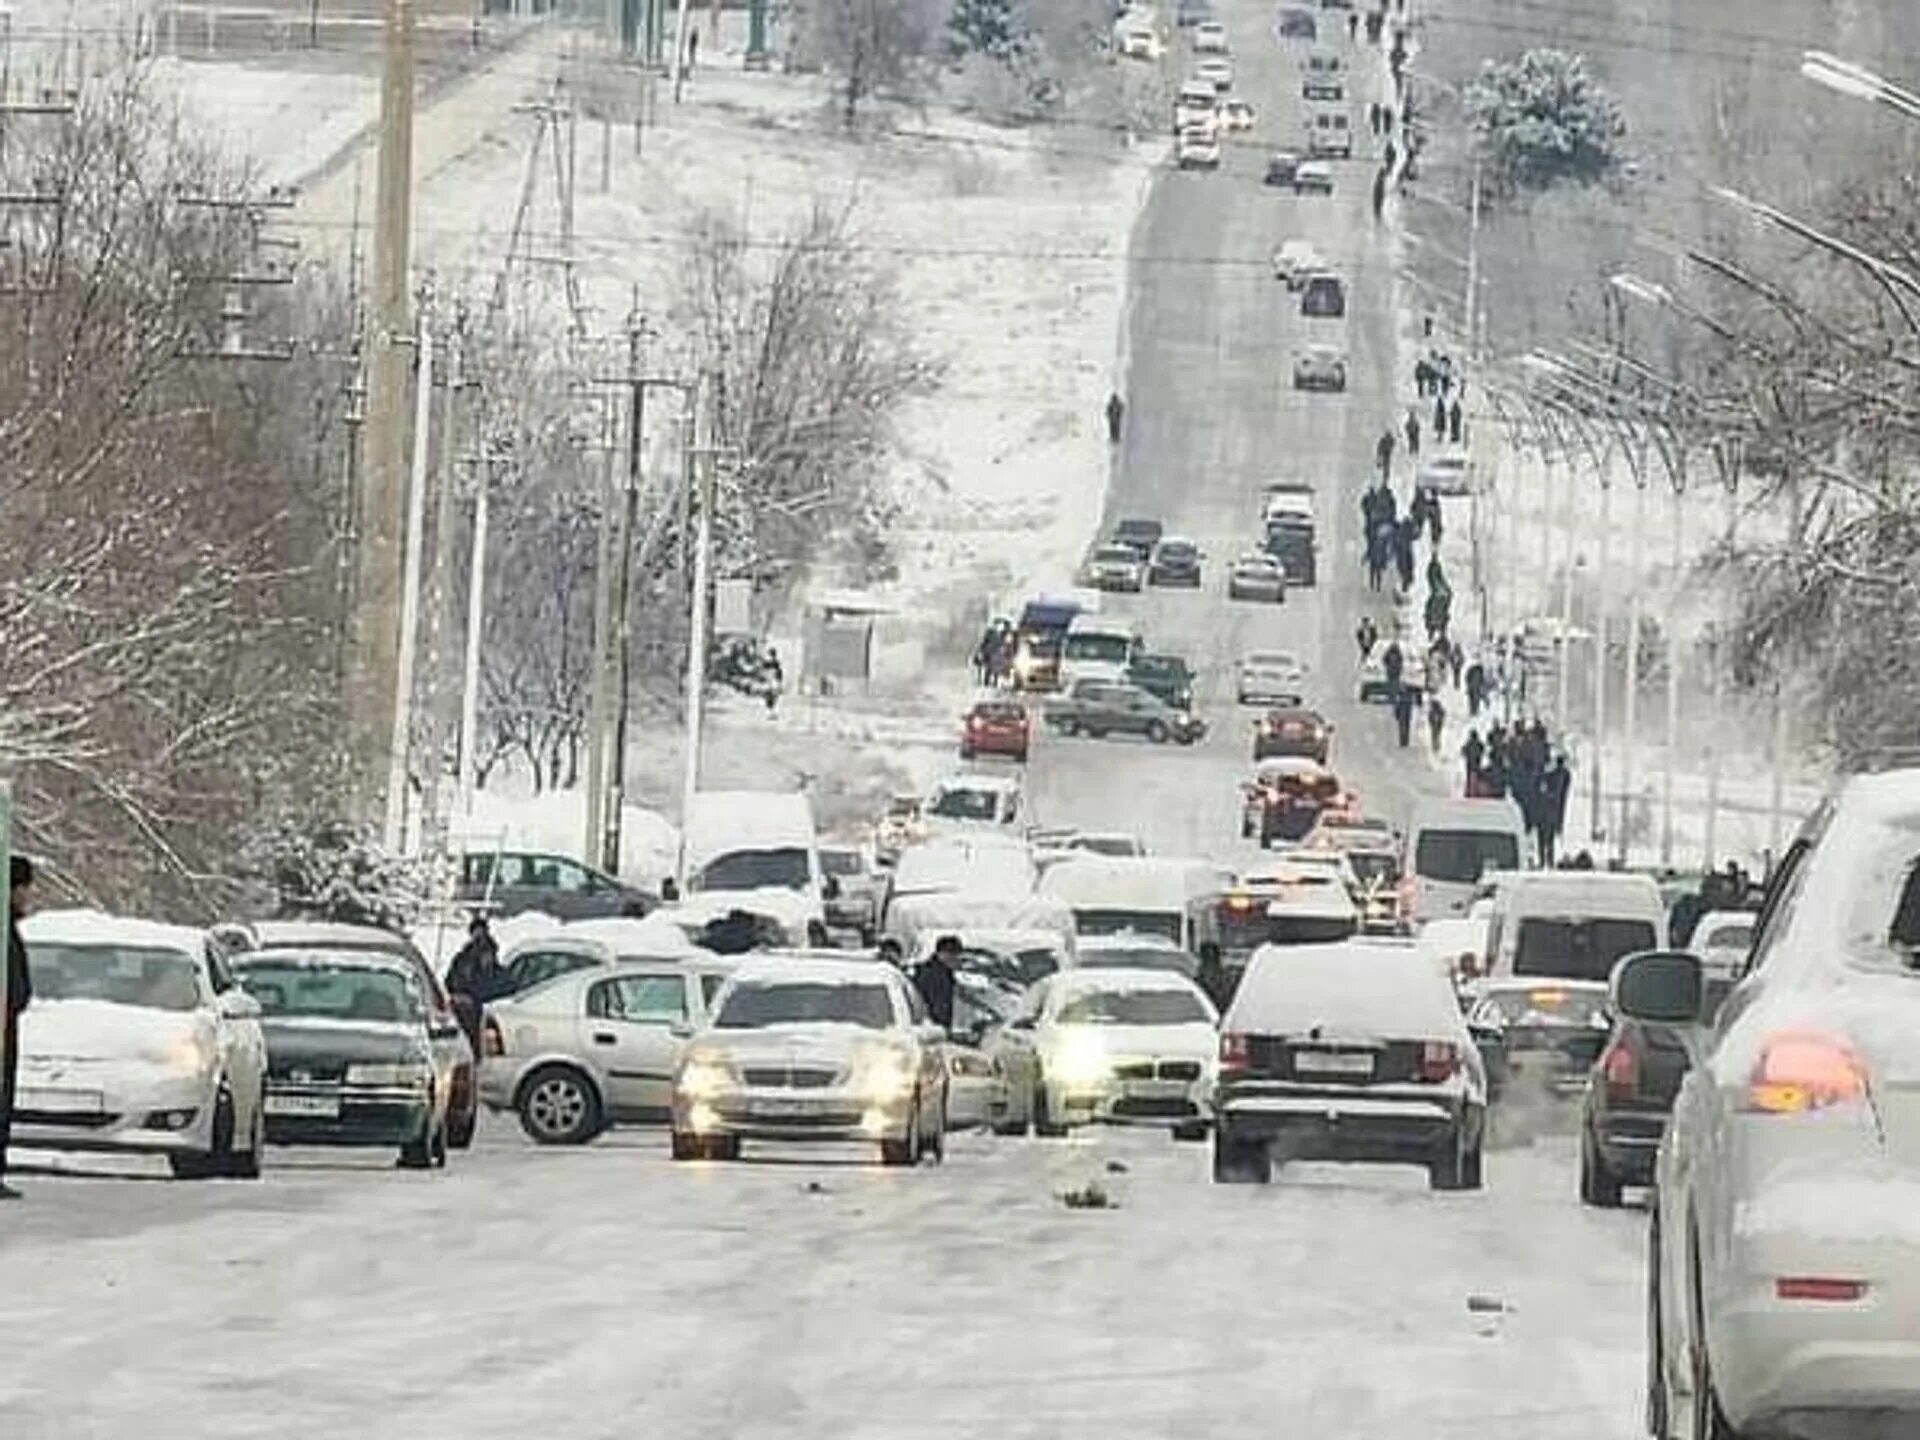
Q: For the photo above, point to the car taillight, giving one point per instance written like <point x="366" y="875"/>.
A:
<point x="1235" y="1053"/>
<point x="1800" y="1071"/>
<point x="1818" y="1287"/>
<point x="1438" y="1061"/>
<point x="1620" y="1068"/>
<point x="492" y="1042"/>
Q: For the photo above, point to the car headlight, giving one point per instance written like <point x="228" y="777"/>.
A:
<point x="190" y="1053"/>
<point x="406" y="1075"/>
<point x="883" y="1075"/>
<point x="704" y="1076"/>
<point x="1081" y="1060"/>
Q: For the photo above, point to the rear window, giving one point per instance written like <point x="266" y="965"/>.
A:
<point x="1546" y="1005"/>
<point x="1459" y="857"/>
<point x="1165" y="924"/>
<point x="1578" y="949"/>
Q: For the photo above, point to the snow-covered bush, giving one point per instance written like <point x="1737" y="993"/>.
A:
<point x="337" y="872"/>
<point x="1540" y="119"/>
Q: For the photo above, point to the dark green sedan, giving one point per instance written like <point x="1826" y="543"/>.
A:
<point x="350" y="1060"/>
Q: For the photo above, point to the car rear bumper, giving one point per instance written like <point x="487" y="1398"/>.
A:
<point x="990" y="744"/>
<point x="1629" y="1142"/>
<point x="1309" y="1122"/>
<point x="1837" y="1367"/>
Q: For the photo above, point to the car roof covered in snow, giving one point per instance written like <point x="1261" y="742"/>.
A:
<point x="319" y="957"/>
<point x="652" y="937"/>
<point x="1129" y="881"/>
<point x="1349" y="988"/>
<point x="974" y="780"/>
<point x="807" y="967"/>
<point x="328" y="935"/>
<point x="719" y="822"/>
<point x="984" y="860"/>
<point x="1124" y="978"/>
<point x="96" y="927"/>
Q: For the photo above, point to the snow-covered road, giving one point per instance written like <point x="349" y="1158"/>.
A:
<point x="611" y="1292"/>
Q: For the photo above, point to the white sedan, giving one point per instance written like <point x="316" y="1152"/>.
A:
<point x="1257" y="576"/>
<point x="1270" y="677"/>
<point x="1216" y="71"/>
<point x="1295" y="260"/>
<point x="1210" y="38"/>
<point x="1112" y="1046"/>
<point x="138" y="1039"/>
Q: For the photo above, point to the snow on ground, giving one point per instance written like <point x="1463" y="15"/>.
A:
<point x="288" y="122"/>
<point x="606" y="1291"/>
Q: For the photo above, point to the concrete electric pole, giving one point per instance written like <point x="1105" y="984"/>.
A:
<point x="373" y="653"/>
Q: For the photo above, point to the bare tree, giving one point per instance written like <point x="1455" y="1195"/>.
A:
<point x="168" y="614"/>
<point x="814" y="358"/>
<point x="872" y="46"/>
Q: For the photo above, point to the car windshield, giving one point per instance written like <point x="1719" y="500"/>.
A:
<point x="1115" y="555"/>
<point x="1460" y="857"/>
<point x="1578" y="949"/>
<point x="1113" y="920"/>
<point x="785" y="868"/>
<point x="964" y="803"/>
<point x="330" y="991"/>
<point x="757" y="1004"/>
<point x="1133" y="1007"/>
<point x="1115" y="649"/>
<point x="146" y="978"/>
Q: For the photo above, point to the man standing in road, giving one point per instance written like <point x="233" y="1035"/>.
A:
<point x="1405" y="697"/>
<point x="1212" y="977"/>
<point x="935" y="980"/>
<point x="19" y="996"/>
<point x="1554" y="786"/>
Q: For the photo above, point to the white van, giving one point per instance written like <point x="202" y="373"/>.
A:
<point x="1098" y="647"/>
<point x="1173" y="900"/>
<point x="973" y="861"/>
<point x="736" y="841"/>
<point x="1452" y="843"/>
<point x="1572" y="924"/>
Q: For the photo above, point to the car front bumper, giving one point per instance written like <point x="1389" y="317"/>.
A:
<point x="1255" y="590"/>
<point x="1830" y="1368"/>
<point x="1153" y="1103"/>
<point x="833" y="1114"/>
<point x="114" y="1110"/>
<point x="360" y="1115"/>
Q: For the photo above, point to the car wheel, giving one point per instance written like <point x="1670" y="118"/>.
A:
<point x="428" y="1151"/>
<point x="1599" y="1186"/>
<point x="245" y="1164"/>
<point x="966" y="752"/>
<point x="721" y="1147"/>
<point x="559" y="1107"/>
<point x="1658" y="1406"/>
<point x="1094" y="732"/>
<point x="1457" y="1171"/>
<point x="905" y="1151"/>
<point x="935" y="1144"/>
<point x="1191" y="1130"/>
<point x="1240" y="1162"/>
<point x="1043" y="1121"/>
<point x="461" y="1125"/>
<point x="684" y="1145"/>
<point x="1157" y="732"/>
<point x="1709" y="1420"/>
<point x="218" y="1155"/>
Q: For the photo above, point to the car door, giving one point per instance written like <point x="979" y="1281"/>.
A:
<point x="243" y="1046"/>
<point x="634" y="1024"/>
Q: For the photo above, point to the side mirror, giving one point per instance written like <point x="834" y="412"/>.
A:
<point x="237" y="1004"/>
<point x="1664" y="987"/>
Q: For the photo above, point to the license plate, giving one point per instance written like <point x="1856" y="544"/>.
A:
<point x="1312" y="1062"/>
<point x="61" y="1102"/>
<point x="781" y="1107"/>
<point x="321" y="1105"/>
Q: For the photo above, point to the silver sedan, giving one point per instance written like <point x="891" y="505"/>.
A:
<point x="1257" y="577"/>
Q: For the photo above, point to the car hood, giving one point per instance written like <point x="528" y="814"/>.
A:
<point x="102" y="1030"/>
<point x="295" y="1040"/>
<point x="1197" y="1041"/>
<point x="834" y="1046"/>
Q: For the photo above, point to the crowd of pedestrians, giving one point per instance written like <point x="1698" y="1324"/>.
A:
<point x="1521" y="765"/>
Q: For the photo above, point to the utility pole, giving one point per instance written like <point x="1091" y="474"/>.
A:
<point x="702" y="457"/>
<point x="443" y="673"/>
<point x="476" y="618"/>
<point x="1596" y="817"/>
<point x="1676" y="564"/>
<point x="600" y="701"/>
<point x="1631" y="703"/>
<point x="370" y="701"/>
<point x="1717" y="683"/>
<point x="401" y="743"/>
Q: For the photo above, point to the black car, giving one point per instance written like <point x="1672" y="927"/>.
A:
<point x="1538" y="1037"/>
<point x="1351" y="1051"/>
<point x="1290" y="540"/>
<point x="1097" y="708"/>
<point x="1293" y="730"/>
<point x="1281" y="167"/>
<point x="1175" y="562"/>
<point x="1166" y="676"/>
<point x="1630" y="1093"/>
<point x="1139" y="536"/>
<point x="508" y="882"/>
<point x="1323" y="298"/>
<point x="350" y="1056"/>
<point x="454" y="1048"/>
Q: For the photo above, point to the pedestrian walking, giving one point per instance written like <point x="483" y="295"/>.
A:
<point x="1454" y="422"/>
<point x="1379" y="544"/>
<point x="1433" y="514"/>
<point x="1440" y="417"/>
<point x="1116" y="416"/>
<point x="1388" y="158"/>
<point x="1386" y="120"/>
<point x="1403" y="537"/>
<point x="1393" y="663"/>
<point x="1383" y="453"/>
<point x="935" y="979"/>
<point x="1373" y="118"/>
<point x="1366" y="635"/>
<point x="1474" y="752"/>
<point x="1404" y="700"/>
<point x="1212" y="977"/>
<point x="1379" y="193"/>
<point x="1413" y="433"/>
<point x="1422" y="377"/>
<point x="1556" y="784"/>
<point x="693" y="47"/>
<point x="1426" y="327"/>
<point x="1353" y="26"/>
<point x="19" y="996"/>
<point x="1436" y="722"/>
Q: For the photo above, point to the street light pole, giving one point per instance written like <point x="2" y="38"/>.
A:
<point x="1595" y="769"/>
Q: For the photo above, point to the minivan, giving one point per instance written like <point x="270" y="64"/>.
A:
<point x="1451" y="843"/>
<point x="1329" y="134"/>
<point x="1325" y="77"/>
<point x="1572" y="924"/>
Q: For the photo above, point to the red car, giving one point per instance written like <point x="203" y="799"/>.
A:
<point x="996" y="727"/>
